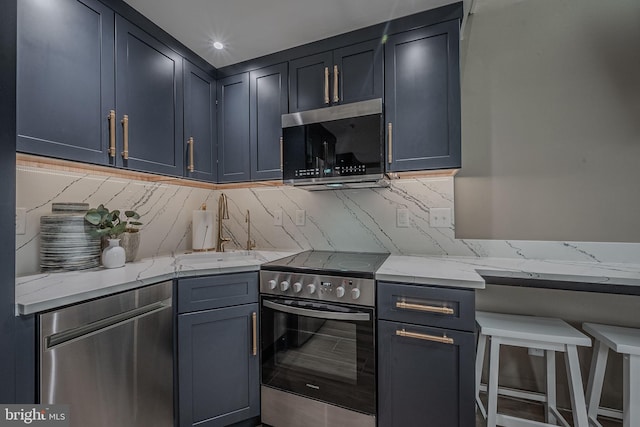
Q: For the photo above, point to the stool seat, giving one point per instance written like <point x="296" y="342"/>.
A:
<point x="619" y="339"/>
<point x="530" y="328"/>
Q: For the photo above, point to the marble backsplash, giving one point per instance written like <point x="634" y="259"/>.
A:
<point x="346" y="220"/>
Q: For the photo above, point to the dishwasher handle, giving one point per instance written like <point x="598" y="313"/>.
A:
<point x="71" y="335"/>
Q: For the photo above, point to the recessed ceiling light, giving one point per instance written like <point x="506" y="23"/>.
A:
<point x="218" y="45"/>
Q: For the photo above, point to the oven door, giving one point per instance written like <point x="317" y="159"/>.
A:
<point x="321" y="351"/>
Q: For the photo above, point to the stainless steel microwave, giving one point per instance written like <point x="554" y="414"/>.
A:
<point x="334" y="147"/>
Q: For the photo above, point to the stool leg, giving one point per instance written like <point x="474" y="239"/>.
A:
<point x="596" y="378"/>
<point x="550" y="357"/>
<point x="492" y="388"/>
<point x="482" y="344"/>
<point x="575" y="387"/>
<point x="631" y="404"/>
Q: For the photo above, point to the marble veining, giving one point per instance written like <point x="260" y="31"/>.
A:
<point x="345" y="220"/>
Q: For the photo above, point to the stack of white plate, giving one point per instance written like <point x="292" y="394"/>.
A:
<point x="66" y="242"/>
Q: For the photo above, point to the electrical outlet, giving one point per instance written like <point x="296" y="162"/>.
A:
<point x="440" y="217"/>
<point x="21" y="221"/>
<point x="300" y="217"/>
<point x="402" y="218"/>
<point x="277" y="217"/>
<point x="537" y="352"/>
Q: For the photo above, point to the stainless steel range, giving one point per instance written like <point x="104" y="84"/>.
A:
<point x="318" y="339"/>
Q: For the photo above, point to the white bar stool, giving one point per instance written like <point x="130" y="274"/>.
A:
<point x="542" y="333"/>
<point x="625" y="341"/>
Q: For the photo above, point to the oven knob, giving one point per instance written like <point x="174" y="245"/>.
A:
<point x="297" y="287"/>
<point x="355" y="293"/>
<point x="272" y="284"/>
<point x="284" y="285"/>
<point x="311" y="288"/>
<point x="340" y="291"/>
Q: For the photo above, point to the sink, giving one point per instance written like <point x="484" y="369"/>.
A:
<point x="212" y="257"/>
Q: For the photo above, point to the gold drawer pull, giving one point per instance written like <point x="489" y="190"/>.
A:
<point x="444" y="339"/>
<point x="336" y="97"/>
<point x="326" y="85"/>
<point x="390" y="143"/>
<point x="426" y="308"/>
<point x="281" y="153"/>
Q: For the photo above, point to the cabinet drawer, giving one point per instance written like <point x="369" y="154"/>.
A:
<point x="427" y="305"/>
<point x="203" y="293"/>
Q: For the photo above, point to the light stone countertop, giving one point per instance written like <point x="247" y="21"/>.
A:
<point x="468" y="272"/>
<point x="46" y="291"/>
<point x="42" y="292"/>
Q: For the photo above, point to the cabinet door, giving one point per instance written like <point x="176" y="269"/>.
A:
<point x="422" y="382"/>
<point x="218" y="370"/>
<point x="268" y="102"/>
<point x="309" y="88"/>
<point x="233" y="129"/>
<point x="65" y="78"/>
<point x="149" y="92"/>
<point x="422" y="98"/>
<point x="200" y="123"/>
<point x="360" y="72"/>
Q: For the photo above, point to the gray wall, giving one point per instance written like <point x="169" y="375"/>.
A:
<point x="551" y="121"/>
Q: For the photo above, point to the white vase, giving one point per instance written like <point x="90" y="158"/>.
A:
<point x="113" y="256"/>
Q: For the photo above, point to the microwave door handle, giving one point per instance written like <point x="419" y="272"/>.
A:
<point x="328" y="315"/>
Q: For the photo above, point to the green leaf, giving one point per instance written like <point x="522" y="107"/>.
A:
<point x="93" y="217"/>
<point x="134" y="223"/>
<point x="132" y="214"/>
<point x="118" y="229"/>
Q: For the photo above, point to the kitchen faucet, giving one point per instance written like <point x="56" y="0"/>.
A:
<point x="223" y="213"/>
<point x="247" y="219"/>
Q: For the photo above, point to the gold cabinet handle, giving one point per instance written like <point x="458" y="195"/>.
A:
<point x="425" y="308"/>
<point x="326" y="85"/>
<point x="281" y="154"/>
<point x="390" y="143"/>
<point x="443" y="339"/>
<point x="336" y="97"/>
<point x="254" y="338"/>
<point x="191" y="164"/>
<point x="112" y="133"/>
<point x="125" y="136"/>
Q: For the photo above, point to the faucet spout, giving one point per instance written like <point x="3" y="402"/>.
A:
<point x="223" y="213"/>
<point x="247" y="219"/>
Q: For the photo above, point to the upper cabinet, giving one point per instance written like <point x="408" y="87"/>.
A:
<point x="349" y="74"/>
<point x="149" y="102"/>
<point x="233" y="128"/>
<point x="267" y="103"/>
<point x="65" y="79"/>
<point x="422" y="98"/>
<point x="199" y="124"/>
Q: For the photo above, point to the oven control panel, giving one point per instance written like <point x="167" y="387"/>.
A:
<point x="348" y="290"/>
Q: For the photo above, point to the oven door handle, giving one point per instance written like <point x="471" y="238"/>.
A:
<point x="328" y="315"/>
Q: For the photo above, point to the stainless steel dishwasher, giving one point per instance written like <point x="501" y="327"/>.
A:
<point x="111" y="359"/>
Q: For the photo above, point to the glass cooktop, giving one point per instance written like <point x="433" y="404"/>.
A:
<point x="351" y="264"/>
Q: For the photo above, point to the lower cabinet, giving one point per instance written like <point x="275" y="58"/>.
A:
<point x="217" y="362"/>
<point x="425" y="372"/>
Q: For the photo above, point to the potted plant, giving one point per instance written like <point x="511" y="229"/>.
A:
<point x="113" y="229"/>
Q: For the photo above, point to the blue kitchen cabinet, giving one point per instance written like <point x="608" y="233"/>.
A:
<point x="426" y="353"/>
<point x="268" y="94"/>
<point x="65" y="79"/>
<point x="422" y="98"/>
<point x="217" y="361"/>
<point x="149" y="94"/>
<point x="344" y="75"/>
<point x="234" y="163"/>
<point x="200" y="150"/>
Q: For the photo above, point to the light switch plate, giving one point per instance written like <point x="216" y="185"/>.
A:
<point x="21" y="221"/>
<point x="440" y="217"/>
<point x="402" y="217"/>
<point x="300" y="217"/>
<point x="277" y="217"/>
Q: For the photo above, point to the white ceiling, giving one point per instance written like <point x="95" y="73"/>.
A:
<point x="252" y="28"/>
